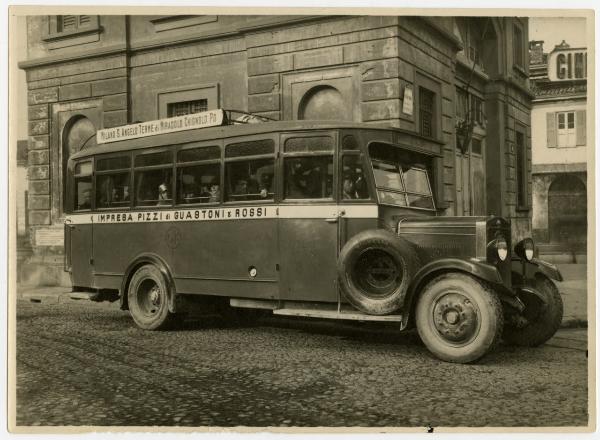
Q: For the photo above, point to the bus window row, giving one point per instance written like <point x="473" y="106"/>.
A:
<point x="196" y="178"/>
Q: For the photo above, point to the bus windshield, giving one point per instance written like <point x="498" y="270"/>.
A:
<point x="400" y="179"/>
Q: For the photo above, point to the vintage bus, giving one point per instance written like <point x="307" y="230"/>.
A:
<point x="320" y="219"/>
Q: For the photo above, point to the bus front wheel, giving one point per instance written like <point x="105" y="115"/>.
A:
<point x="148" y="299"/>
<point x="459" y="318"/>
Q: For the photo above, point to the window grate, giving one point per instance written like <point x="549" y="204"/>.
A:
<point x="426" y="109"/>
<point x="187" y="107"/>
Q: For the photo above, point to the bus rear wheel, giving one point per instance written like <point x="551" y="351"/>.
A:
<point x="148" y="299"/>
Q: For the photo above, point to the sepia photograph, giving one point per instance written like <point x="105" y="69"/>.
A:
<point x="289" y="220"/>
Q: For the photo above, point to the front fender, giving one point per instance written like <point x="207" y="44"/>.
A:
<point x="156" y="261"/>
<point x="529" y="269"/>
<point x="476" y="268"/>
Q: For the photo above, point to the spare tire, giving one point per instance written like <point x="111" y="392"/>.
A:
<point x="375" y="268"/>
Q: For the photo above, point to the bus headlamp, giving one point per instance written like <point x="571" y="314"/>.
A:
<point x="525" y="249"/>
<point x="501" y="248"/>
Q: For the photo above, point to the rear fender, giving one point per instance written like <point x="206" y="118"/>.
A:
<point x="478" y="269"/>
<point x="159" y="263"/>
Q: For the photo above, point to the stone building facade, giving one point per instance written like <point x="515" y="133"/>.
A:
<point x="90" y="72"/>
<point x="560" y="154"/>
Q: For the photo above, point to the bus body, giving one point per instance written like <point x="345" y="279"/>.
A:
<point x="323" y="219"/>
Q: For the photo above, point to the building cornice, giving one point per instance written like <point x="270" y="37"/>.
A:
<point x="453" y="39"/>
<point x="233" y="31"/>
<point x="117" y="49"/>
<point x="560" y="98"/>
<point x="549" y="168"/>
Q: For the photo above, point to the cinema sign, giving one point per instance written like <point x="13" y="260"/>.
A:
<point x="567" y="65"/>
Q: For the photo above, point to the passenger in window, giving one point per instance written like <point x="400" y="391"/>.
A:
<point x="360" y="185"/>
<point x="265" y="185"/>
<point x="349" y="189"/>
<point x="86" y="202"/>
<point x="214" y="194"/>
<point x="240" y="190"/>
<point x="163" y="195"/>
<point x="299" y="181"/>
<point x="253" y="185"/>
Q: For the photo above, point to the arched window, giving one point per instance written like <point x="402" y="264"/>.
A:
<point x="323" y="102"/>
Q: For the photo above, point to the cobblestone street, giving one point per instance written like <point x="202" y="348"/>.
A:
<point x="82" y="363"/>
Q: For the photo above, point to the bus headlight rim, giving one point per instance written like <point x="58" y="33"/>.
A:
<point x="525" y="249"/>
<point x="501" y="248"/>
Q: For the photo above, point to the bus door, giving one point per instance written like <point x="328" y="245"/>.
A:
<point x="79" y="227"/>
<point x="308" y="219"/>
<point x="80" y="251"/>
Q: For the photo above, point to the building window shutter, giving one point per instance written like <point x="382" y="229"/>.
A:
<point x="551" y="130"/>
<point x="68" y="22"/>
<point x="580" y="127"/>
<point x="85" y="20"/>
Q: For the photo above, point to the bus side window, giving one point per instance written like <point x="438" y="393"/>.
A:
<point x="154" y="182"/>
<point x="153" y="187"/>
<point x="112" y="190"/>
<point x="83" y="186"/>
<point x="354" y="185"/>
<point x="199" y="184"/>
<point x="199" y="175"/>
<point x="308" y="176"/>
<point x="250" y="179"/>
<point x="112" y="182"/>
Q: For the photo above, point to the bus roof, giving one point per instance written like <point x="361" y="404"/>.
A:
<point x="225" y="131"/>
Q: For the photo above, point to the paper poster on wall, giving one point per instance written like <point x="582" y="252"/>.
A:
<point x="407" y="102"/>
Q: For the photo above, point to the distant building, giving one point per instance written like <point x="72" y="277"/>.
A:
<point x="559" y="147"/>
<point x="462" y="82"/>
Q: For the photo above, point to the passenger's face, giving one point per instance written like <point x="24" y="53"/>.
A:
<point x="214" y="189"/>
<point x="348" y="185"/>
<point x="241" y="186"/>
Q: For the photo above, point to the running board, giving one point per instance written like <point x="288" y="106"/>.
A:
<point x="312" y="310"/>
<point x="352" y="315"/>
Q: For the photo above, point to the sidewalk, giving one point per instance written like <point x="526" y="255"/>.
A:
<point x="574" y="294"/>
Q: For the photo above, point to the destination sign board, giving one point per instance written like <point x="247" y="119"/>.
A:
<point x="210" y="118"/>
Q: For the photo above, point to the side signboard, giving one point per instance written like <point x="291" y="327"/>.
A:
<point x="211" y="118"/>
